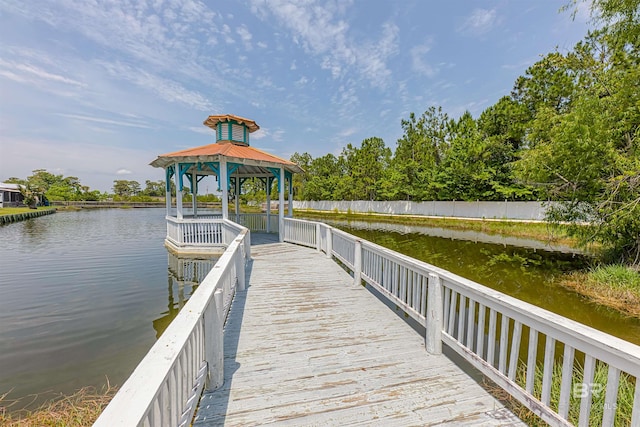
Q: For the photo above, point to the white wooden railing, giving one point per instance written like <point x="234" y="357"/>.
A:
<point x="258" y="222"/>
<point x="206" y="230"/>
<point x="515" y="344"/>
<point x="165" y="387"/>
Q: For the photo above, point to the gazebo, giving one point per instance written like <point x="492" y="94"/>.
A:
<point x="232" y="161"/>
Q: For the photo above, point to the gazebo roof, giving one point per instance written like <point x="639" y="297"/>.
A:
<point x="212" y="121"/>
<point x="251" y="159"/>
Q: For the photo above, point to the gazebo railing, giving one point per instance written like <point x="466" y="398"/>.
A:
<point x="258" y="222"/>
<point x="207" y="230"/>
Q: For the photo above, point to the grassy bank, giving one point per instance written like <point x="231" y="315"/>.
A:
<point x="79" y="409"/>
<point x="17" y="210"/>
<point x="615" y="286"/>
<point x="524" y="229"/>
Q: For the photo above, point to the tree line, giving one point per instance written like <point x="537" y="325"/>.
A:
<point x="57" y="187"/>
<point x="567" y="132"/>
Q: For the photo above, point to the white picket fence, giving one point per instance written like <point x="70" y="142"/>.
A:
<point x="165" y="387"/>
<point x="499" y="335"/>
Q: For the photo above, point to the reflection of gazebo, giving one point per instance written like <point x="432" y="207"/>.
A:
<point x="232" y="161"/>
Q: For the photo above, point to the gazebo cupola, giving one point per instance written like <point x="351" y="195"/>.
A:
<point x="231" y="128"/>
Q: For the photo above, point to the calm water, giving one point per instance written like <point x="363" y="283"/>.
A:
<point x="83" y="296"/>
<point x="529" y="273"/>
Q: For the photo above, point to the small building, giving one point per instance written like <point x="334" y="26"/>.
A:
<point x="10" y="195"/>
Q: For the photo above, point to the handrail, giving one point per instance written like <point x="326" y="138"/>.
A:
<point x="165" y="387"/>
<point x="488" y="329"/>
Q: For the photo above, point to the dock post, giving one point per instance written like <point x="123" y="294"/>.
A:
<point x="329" y="243"/>
<point x="357" y="263"/>
<point x="318" y="238"/>
<point x="433" y="333"/>
<point x="214" y="341"/>
<point x="240" y="265"/>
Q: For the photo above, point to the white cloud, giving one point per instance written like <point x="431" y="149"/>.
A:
<point x="123" y="172"/>
<point x="101" y="120"/>
<point x="167" y="89"/>
<point x="419" y="62"/>
<point x="37" y="73"/>
<point x="321" y="30"/>
<point x="245" y="36"/>
<point x="203" y="130"/>
<point x="479" y="22"/>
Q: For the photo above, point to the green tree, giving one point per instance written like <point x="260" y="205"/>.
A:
<point x="125" y="188"/>
<point x="324" y="174"/>
<point x="417" y="156"/>
<point x="154" y="188"/>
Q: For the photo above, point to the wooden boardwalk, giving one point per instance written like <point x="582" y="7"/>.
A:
<point x="305" y="347"/>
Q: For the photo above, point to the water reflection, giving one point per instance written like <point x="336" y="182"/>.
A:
<point x="185" y="273"/>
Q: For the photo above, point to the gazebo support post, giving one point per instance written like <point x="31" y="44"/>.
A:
<point x="268" y="205"/>
<point x="281" y="204"/>
<point x="224" y="183"/>
<point x="178" y="192"/>
<point x="291" y="196"/>
<point x="237" y="192"/>
<point x="194" y="194"/>
<point x="168" y="195"/>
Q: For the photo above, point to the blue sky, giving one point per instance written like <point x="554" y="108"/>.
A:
<point x="97" y="89"/>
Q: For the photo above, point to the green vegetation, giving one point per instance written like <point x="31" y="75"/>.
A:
<point x="568" y="132"/>
<point x="615" y="286"/>
<point x="624" y="404"/>
<point x="43" y="185"/>
<point x="79" y="409"/>
<point x="11" y="211"/>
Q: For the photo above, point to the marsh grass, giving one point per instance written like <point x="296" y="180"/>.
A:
<point x="615" y="286"/>
<point x="623" y="406"/>
<point x="81" y="408"/>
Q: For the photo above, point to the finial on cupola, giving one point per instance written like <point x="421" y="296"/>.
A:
<point x="230" y="128"/>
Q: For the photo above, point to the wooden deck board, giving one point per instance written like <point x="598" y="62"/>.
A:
<point x="303" y="346"/>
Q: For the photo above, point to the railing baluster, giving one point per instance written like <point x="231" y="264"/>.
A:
<point x="461" y="318"/>
<point x="504" y="339"/>
<point x="491" y="342"/>
<point x="547" y="374"/>
<point x="586" y="390"/>
<point x="447" y="306"/>
<point x="471" y="321"/>
<point x="515" y="349"/>
<point x="611" y="396"/>
<point x="452" y="312"/>
<point x="531" y="360"/>
<point x="567" y="378"/>
<point x="635" y="414"/>
<point x="480" y="332"/>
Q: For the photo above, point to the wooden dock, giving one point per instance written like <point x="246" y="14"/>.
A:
<point x="304" y="346"/>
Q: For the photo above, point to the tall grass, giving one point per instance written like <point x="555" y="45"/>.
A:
<point x="616" y="286"/>
<point x="81" y="408"/>
<point x="623" y="408"/>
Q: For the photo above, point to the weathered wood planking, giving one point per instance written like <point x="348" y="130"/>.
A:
<point x="304" y="346"/>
